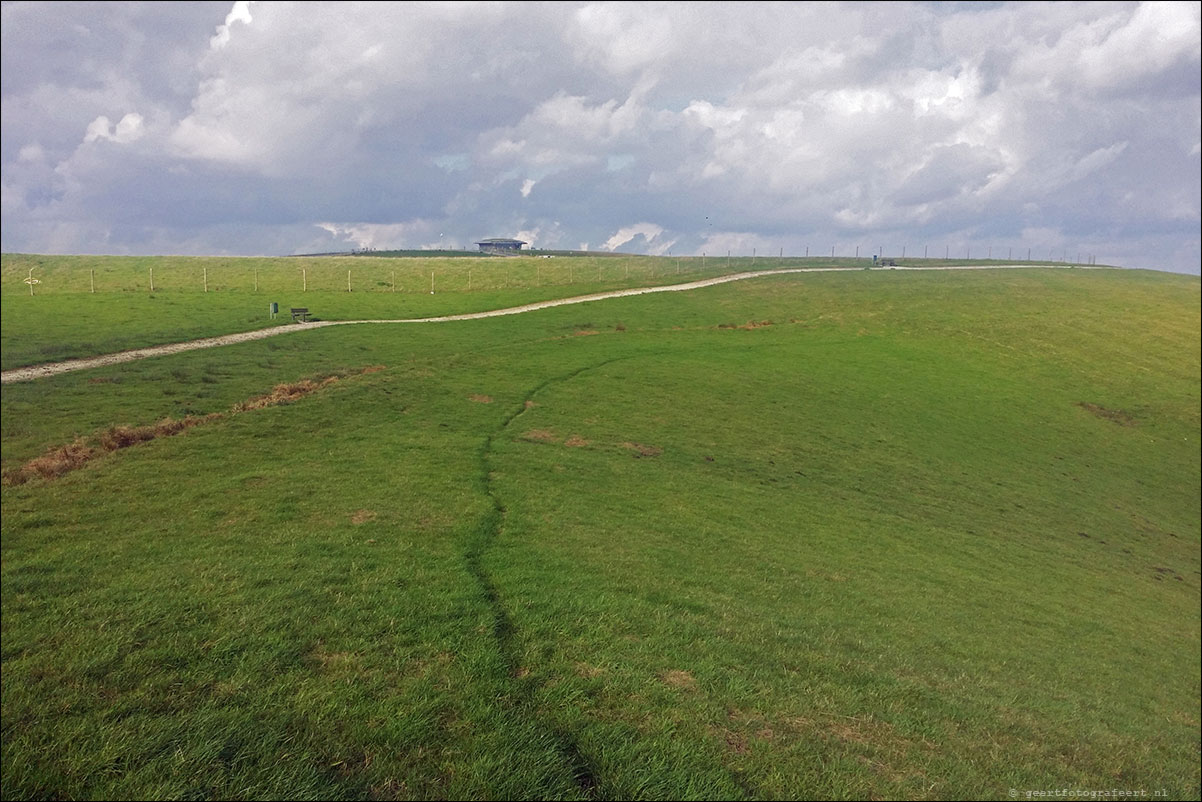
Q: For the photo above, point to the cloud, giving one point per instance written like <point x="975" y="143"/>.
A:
<point x="239" y="13"/>
<point x="129" y="129"/>
<point x="775" y="125"/>
<point x="648" y="231"/>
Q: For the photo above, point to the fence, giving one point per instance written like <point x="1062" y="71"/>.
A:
<point x="35" y="274"/>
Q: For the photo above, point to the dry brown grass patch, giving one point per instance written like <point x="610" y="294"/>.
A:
<point x="481" y="399"/>
<point x="575" y="441"/>
<point x="61" y="460"/>
<point x="1113" y="415"/>
<point x="641" y="450"/>
<point x="585" y="333"/>
<point x="748" y="326"/>
<point x="680" y="679"/>
<point x="285" y="394"/>
<point x="540" y="436"/>
<point x="362" y="517"/>
<point x="53" y="464"/>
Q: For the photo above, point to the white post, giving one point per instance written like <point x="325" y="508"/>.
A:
<point x="304" y="280"/>
<point x="29" y="280"/>
<point x="152" y="279"/>
<point x="348" y="281"/>
<point x="93" y="282"/>
<point x="431" y="282"/>
<point x="256" y="279"/>
<point x="205" y="273"/>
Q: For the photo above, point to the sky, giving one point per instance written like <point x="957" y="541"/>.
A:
<point x="1068" y="130"/>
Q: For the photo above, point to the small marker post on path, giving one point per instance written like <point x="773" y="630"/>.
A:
<point x="205" y="273"/>
<point x="152" y="279"/>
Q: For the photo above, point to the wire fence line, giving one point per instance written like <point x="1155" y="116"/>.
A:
<point x="36" y="275"/>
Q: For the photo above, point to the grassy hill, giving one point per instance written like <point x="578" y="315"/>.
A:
<point x="849" y="535"/>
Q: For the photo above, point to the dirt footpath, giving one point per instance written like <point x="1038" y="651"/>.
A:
<point x="53" y="368"/>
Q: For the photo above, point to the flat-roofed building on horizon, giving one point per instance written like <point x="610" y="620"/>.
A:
<point x="500" y="245"/>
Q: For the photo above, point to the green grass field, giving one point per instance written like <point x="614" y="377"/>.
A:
<point x="195" y="297"/>
<point x="866" y="534"/>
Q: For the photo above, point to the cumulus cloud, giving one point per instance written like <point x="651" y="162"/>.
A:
<point x="648" y="231"/>
<point x="691" y="127"/>
<point x="128" y="129"/>
<point x="239" y="13"/>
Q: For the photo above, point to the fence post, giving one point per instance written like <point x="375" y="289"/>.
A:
<point x="304" y="280"/>
<point x="152" y="279"/>
<point x="205" y="272"/>
<point x="348" y="281"/>
<point x="93" y="272"/>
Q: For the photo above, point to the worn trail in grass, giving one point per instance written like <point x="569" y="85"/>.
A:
<point x="852" y="535"/>
<point x="53" y="368"/>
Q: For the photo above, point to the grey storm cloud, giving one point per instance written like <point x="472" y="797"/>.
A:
<point x="684" y="127"/>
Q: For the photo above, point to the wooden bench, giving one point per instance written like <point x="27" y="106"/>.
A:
<point x="300" y="312"/>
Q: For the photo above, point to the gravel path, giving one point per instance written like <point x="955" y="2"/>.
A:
<point x="53" y="368"/>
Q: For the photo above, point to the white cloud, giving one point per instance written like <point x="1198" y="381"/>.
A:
<point x="129" y="129"/>
<point x="788" y="123"/>
<point x="649" y="231"/>
<point x="31" y="153"/>
<point x="380" y="236"/>
<point x="239" y="13"/>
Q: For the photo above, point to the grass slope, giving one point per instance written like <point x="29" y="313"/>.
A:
<point x="90" y="305"/>
<point x="836" y="535"/>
